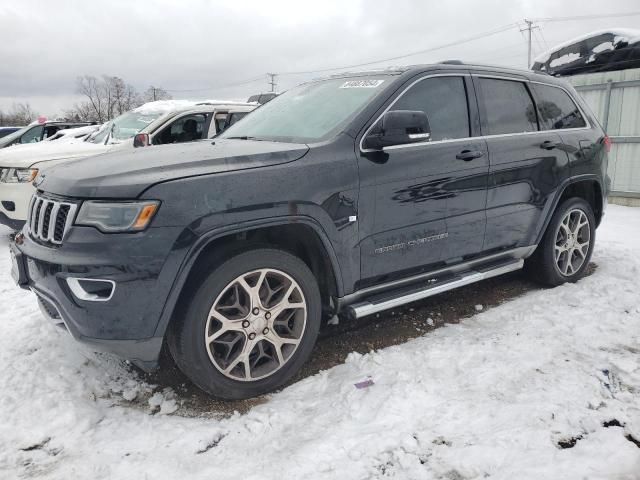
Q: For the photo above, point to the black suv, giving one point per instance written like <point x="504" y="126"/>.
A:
<point x="344" y="196"/>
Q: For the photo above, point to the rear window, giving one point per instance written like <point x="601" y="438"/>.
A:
<point x="557" y="109"/>
<point x="507" y="106"/>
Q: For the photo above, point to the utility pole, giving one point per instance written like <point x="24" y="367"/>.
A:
<point x="272" y="81"/>
<point x="529" y="28"/>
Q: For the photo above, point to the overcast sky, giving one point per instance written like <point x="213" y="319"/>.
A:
<point x="204" y="48"/>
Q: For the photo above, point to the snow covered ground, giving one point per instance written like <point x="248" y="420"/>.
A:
<point x="492" y="397"/>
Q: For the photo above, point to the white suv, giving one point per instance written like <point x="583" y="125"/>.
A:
<point x="154" y="123"/>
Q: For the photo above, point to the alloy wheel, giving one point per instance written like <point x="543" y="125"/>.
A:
<point x="573" y="238"/>
<point x="256" y="324"/>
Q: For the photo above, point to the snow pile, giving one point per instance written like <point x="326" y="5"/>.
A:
<point x="167" y="106"/>
<point x="74" y="133"/>
<point x="544" y="386"/>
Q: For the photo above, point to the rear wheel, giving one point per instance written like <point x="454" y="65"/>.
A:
<point x="250" y="325"/>
<point x="567" y="245"/>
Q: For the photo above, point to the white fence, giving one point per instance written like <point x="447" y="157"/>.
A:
<point x="614" y="97"/>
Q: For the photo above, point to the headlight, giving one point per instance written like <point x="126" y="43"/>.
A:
<point x="18" y="175"/>
<point x="110" y="217"/>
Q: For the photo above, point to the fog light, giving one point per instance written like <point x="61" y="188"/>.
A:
<point x="91" y="289"/>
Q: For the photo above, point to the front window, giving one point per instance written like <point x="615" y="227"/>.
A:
<point x="184" y="129"/>
<point x="444" y="100"/>
<point x="311" y="112"/>
<point x="125" y="126"/>
<point x="32" y="136"/>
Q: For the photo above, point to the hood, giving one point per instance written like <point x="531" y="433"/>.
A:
<point x="24" y="156"/>
<point x="126" y="174"/>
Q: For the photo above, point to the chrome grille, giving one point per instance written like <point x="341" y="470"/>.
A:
<point x="49" y="220"/>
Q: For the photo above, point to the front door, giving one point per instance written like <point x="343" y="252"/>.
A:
<point x="423" y="204"/>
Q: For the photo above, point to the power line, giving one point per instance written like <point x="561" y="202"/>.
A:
<point x="399" y="57"/>
<point x="546" y="45"/>
<point x="529" y="29"/>
<point x="537" y="38"/>
<point x="586" y="17"/>
<point x="235" y="84"/>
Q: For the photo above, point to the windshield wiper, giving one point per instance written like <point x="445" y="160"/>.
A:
<point x="244" y="137"/>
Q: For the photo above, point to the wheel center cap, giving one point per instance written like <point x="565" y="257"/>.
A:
<point x="257" y="325"/>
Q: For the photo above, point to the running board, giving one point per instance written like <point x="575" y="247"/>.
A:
<point x="430" y="287"/>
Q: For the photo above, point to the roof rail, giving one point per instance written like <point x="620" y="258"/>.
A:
<point x="452" y="62"/>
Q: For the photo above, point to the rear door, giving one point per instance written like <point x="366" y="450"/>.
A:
<point x="423" y="204"/>
<point x="526" y="163"/>
<point x="560" y="112"/>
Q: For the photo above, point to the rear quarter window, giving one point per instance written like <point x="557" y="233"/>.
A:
<point x="556" y="108"/>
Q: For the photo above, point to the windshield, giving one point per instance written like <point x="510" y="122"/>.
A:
<point x="311" y="112"/>
<point x="124" y="127"/>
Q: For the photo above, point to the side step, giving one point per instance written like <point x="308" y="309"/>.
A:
<point x="429" y="287"/>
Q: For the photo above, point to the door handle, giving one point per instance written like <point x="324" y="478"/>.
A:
<point x="468" y="155"/>
<point x="549" y="145"/>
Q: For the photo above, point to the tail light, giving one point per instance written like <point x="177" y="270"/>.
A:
<point x="606" y="141"/>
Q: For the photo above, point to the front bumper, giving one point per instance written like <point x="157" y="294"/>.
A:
<point x="140" y="265"/>
<point x="14" y="203"/>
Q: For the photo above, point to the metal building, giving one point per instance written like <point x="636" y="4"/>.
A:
<point x="614" y="97"/>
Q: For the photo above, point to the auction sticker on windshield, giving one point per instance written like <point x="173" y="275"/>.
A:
<point x="361" y="84"/>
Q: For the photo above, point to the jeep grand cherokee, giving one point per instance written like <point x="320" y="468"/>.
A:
<point x="343" y="196"/>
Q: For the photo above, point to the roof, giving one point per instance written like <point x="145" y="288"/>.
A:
<point x="448" y="64"/>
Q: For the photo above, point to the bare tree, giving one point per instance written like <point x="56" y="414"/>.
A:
<point x="106" y="98"/>
<point x="20" y="114"/>
<point x="93" y="90"/>
<point x="156" y="93"/>
<point x="81" y="112"/>
<point x="124" y="96"/>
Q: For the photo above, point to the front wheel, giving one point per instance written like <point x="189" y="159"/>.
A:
<point x="567" y="245"/>
<point x="250" y="326"/>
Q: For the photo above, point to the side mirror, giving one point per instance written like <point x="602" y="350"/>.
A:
<point x="399" y="127"/>
<point x="141" y="140"/>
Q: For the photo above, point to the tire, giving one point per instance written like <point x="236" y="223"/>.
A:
<point x="244" y="297"/>
<point x="561" y="239"/>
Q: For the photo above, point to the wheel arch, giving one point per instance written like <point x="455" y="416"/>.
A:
<point x="587" y="187"/>
<point x="300" y="235"/>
